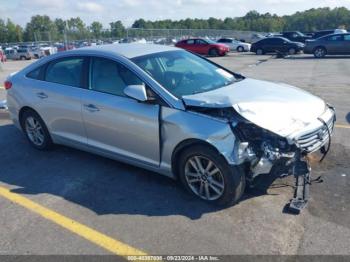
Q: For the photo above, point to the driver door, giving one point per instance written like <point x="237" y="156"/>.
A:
<point x="201" y="46"/>
<point x="116" y="124"/>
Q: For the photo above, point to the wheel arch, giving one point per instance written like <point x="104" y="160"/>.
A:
<point x="22" y="111"/>
<point x="183" y="145"/>
<point x="319" y="46"/>
<point x="240" y="46"/>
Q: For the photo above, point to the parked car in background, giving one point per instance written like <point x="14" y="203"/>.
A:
<point x="275" y="45"/>
<point x="171" y="112"/>
<point x="24" y="54"/>
<point x="235" y="45"/>
<point x="321" y="33"/>
<point x="295" y="36"/>
<point x="37" y="52"/>
<point x="203" y="46"/>
<point x="335" y="44"/>
<point x="3" y="57"/>
<point x="64" y="47"/>
<point x="48" y="49"/>
<point x="11" y="53"/>
<point x="252" y="38"/>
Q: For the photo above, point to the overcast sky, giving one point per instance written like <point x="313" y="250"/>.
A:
<point x="127" y="11"/>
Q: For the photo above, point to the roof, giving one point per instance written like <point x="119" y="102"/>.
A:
<point x="131" y="50"/>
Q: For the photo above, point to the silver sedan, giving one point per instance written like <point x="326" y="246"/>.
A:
<point x="170" y="111"/>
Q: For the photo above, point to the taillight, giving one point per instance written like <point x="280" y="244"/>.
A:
<point x="7" y="85"/>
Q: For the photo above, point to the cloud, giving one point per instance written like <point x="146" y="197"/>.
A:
<point x="90" y="7"/>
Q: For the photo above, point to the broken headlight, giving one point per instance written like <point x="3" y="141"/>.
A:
<point x="260" y="139"/>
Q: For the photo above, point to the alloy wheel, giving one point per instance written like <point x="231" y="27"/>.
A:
<point x="319" y="52"/>
<point x="204" y="178"/>
<point x="34" y="131"/>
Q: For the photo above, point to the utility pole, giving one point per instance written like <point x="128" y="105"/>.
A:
<point x="65" y="36"/>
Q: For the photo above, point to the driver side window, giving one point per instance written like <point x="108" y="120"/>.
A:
<point x="108" y="76"/>
<point x="200" y="42"/>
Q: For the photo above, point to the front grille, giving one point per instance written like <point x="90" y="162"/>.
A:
<point x="315" y="139"/>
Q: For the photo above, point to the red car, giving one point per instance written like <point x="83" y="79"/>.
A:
<point x="203" y="47"/>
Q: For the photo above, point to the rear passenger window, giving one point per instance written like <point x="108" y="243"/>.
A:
<point x="347" y="37"/>
<point x="108" y="76"/>
<point x="35" y="74"/>
<point x="66" y="71"/>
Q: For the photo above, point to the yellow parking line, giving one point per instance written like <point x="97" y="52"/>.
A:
<point x="342" y="126"/>
<point x="89" y="234"/>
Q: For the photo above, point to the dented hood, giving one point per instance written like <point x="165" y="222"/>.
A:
<point x="280" y="108"/>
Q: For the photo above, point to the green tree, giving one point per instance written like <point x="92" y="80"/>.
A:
<point x="13" y="32"/>
<point x="77" y="29"/>
<point x="3" y="32"/>
<point x="117" y="29"/>
<point x="61" y="26"/>
<point x="40" y="28"/>
<point x="96" y="29"/>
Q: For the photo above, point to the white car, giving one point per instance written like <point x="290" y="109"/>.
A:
<point x="235" y="45"/>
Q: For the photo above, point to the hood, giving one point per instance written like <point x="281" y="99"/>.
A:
<point x="279" y="108"/>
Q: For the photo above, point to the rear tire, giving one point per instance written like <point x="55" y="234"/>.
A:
<point x="240" y="49"/>
<point x="36" y="130"/>
<point x="221" y="183"/>
<point x="320" y="52"/>
<point x="213" y="52"/>
<point x="292" y="51"/>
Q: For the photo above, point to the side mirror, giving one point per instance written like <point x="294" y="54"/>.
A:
<point x="137" y="92"/>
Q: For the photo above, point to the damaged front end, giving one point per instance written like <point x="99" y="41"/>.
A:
<point x="259" y="150"/>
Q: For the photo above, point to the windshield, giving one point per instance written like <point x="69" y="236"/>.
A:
<point x="183" y="73"/>
<point x="209" y="41"/>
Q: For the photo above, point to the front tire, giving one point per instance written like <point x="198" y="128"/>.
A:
<point x="259" y="51"/>
<point x="36" y="130"/>
<point x="213" y="52"/>
<point x="207" y="175"/>
<point x="292" y="51"/>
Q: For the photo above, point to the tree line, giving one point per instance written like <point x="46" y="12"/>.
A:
<point x="42" y="27"/>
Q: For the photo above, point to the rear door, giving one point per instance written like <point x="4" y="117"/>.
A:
<point x="201" y="46"/>
<point x="190" y="45"/>
<point x="57" y="97"/>
<point x="346" y="44"/>
<point x="271" y="45"/>
<point x="116" y="124"/>
<point x="334" y="44"/>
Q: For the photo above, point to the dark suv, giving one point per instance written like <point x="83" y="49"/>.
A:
<point x="295" y="36"/>
<point x="276" y="45"/>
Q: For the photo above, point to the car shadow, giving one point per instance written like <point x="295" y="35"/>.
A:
<point x="102" y="185"/>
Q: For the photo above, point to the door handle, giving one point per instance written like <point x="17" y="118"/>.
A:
<point x="42" y="95"/>
<point x="91" y="108"/>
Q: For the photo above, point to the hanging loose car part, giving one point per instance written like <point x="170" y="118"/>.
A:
<point x="302" y="173"/>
